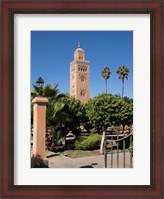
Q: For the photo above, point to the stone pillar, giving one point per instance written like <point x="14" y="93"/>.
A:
<point x="39" y="126"/>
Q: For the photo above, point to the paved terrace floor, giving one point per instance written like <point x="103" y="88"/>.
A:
<point x="61" y="161"/>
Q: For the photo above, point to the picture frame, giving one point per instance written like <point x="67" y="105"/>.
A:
<point x="9" y="9"/>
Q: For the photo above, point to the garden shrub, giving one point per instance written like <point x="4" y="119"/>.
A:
<point x="90" y="142"/>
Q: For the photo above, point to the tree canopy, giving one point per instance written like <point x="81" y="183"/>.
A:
<point x="105" y="110"/>
<point x="76" y="111"/>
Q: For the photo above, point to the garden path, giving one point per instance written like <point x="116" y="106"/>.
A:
<point x="61" y="161"/>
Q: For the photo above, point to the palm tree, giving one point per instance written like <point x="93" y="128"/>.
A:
<point x="123" y="75"/>
<point x="50" y="92"/>
<point x="56" y="116"/>
<point x="60" y="117"/>
<point x="105" y="73"/>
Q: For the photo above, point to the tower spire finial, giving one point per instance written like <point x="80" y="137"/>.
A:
<point x="78" y="44"/>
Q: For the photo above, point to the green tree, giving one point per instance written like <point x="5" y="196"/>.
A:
<point x="105" y="73"/>
<point x="49" y="91"/>
<point x="77" y="112"/>
<point x="97" y="110"/>
<point x="59" y="120"/>
<point x="52" y="93"/>
<point x="123" y="72"/>
<point x="105" y="110"/>
<point x="67" y="115"/>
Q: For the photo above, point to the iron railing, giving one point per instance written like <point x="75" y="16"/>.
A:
<point x="120" y="150"/>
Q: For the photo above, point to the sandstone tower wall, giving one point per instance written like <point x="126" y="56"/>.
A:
<point x="80" y="76"/>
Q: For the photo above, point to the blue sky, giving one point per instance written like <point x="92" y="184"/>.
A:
<point x="52" y="52"/>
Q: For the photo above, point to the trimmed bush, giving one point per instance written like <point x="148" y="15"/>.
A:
<point x="90" y="142"/>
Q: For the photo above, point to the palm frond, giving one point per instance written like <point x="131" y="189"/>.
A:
<point x="123" y="72"/>
<point x="105" y="73"/>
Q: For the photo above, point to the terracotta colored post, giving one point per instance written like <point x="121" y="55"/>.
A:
<point x="39" y="126"/>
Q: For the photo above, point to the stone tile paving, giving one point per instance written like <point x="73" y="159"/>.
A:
<point x="61" y="161"/>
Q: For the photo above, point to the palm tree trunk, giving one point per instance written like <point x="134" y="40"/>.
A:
<point x="122" y="88"/>
<point x="106" y="85"/>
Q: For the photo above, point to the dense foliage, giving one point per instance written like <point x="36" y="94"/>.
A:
<point x="105" y="110"/>
<point x="76" y="112"/>
<point x="65" y="114"/>
<point x="52" y="93"/>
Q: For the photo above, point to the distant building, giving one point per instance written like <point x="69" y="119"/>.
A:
<point x="79" y="76"/>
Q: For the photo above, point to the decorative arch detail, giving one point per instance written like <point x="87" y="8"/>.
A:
<point x="82" y="77"/>
<point x="82" y="92"/>
<point x="82" y="68"/>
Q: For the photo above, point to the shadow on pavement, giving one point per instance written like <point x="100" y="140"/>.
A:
<point x="87" y="166"/>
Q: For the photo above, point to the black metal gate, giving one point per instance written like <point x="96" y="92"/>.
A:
<point x="118" y="151"/>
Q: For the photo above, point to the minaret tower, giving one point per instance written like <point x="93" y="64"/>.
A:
<point x="79" y="76"/>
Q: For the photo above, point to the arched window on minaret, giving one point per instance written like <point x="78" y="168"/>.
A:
<point x="82" y="92"/>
